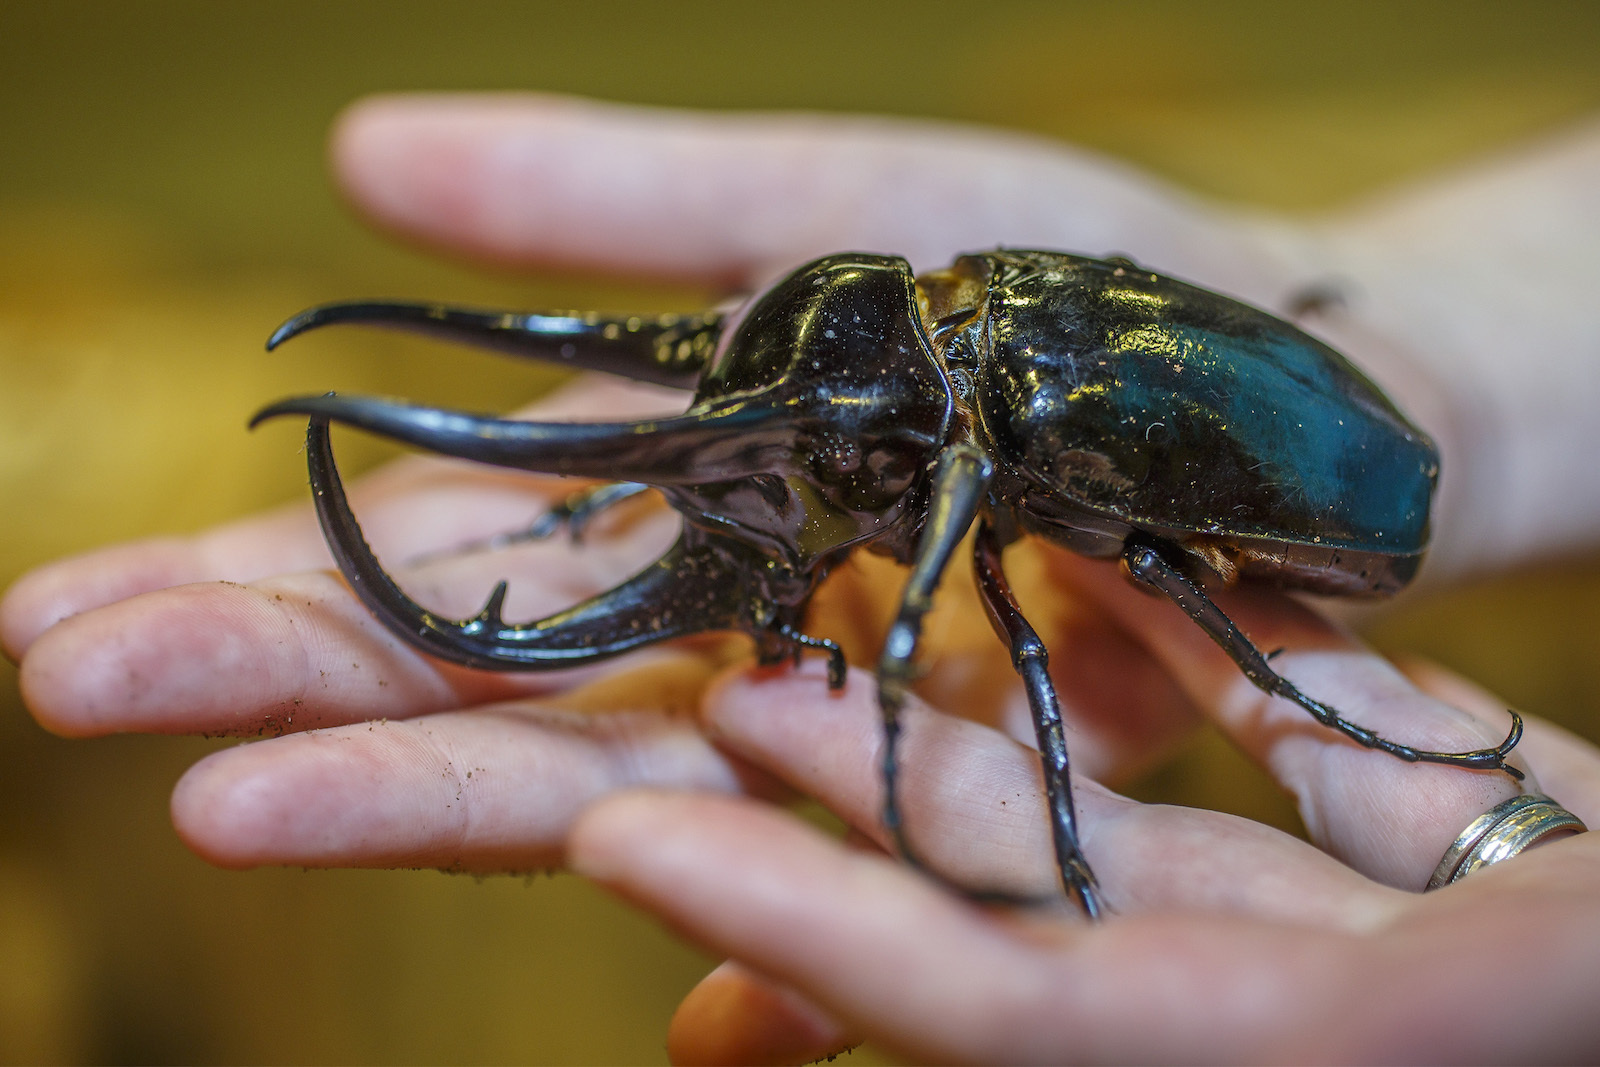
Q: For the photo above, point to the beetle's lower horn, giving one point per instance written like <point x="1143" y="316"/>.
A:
<point x="730" y="441"/>
<point x="695" y="587"/>
<point x="666" y="349"/>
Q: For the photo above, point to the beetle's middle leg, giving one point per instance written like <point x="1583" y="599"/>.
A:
<point x="1032" y="662"/>
<point x="1148" y="567"/>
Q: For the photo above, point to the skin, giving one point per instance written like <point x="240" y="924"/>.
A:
<point x="1231" y="941"/>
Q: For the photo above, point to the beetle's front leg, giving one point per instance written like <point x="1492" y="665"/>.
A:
<point x="960" y="480"/>
<point x="573" y="514"/>
<point x="1147" y="566"/>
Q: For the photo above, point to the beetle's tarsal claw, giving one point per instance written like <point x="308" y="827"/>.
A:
<point x="836" y="667"/>
<point x="1513" y="738"/>
<point x="802" y="641"/>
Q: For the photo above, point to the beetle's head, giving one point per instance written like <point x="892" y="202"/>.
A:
<point x="811" y="431"/>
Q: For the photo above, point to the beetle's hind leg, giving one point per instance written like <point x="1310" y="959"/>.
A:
<point x="1147" y="566"/>
<point x="1032" y="662"/>
<point x="573" y="515"/>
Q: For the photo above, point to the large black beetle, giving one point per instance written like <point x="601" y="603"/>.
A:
<point x="1111" y="410"/>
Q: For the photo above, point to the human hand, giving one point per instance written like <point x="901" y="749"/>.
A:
<point x="1232" y="941"/>
<point x="1466" y="295"/>
<point x="536" y="180"/>
<point x="563" y="182"/>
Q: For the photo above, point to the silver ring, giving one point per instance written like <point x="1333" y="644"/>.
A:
<point x="1502" y="832"/>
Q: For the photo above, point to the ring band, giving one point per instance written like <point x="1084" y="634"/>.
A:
<point x="1500" y="833"/>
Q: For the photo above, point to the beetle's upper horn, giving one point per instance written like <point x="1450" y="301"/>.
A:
<point x="730" y="439"/>
<point x="667" y="349"/>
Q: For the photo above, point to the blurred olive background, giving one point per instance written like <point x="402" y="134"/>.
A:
<point x="163" y="204"/>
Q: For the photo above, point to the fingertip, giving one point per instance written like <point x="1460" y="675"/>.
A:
<point x="341" y="797"/>
<point x="735" y="1016"/>
<point x="204" y="656"/>
<point x="609" y="838"/>
<point x="373" y="149"/>
<point x="214" y="804"/>
<point x="53" y="683"/>
<point x="459" y="171"/>
<point x="57" y="591"/>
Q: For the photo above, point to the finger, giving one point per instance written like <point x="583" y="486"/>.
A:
<point x="1568" y="765"/>
<point x="415" y="505"/>
<point x="298" y="652"/>
<point x="975" y="809"/>
<point x="1437" y="958"/>
<point x="491" y="789"/>
<point x="1126" y="714"/>
<point x="791" y="872"/>
<point x="936" y="979"/>
<point x="1390" y="819"/>
<point x="288" y="654"/>
<point x="541" y="179"/>
<point x="736" y="1016"/>
<point x="406" y="508"/>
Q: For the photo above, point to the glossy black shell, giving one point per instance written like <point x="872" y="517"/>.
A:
<point x="847" y="404"/>
<point x="1114" y="411"/>
<point x="1114" y="400"/>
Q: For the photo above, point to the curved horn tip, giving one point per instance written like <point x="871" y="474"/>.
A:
<point x="328" y="314"/>
<point x="309" y="319"/>
<point x="371" y="312"/>
<point x="294" y="405"/>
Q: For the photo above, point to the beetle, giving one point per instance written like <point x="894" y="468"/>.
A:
<point x="1117" y="412"/>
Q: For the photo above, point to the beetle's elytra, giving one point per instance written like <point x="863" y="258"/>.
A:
<point x="1114" y="411"/>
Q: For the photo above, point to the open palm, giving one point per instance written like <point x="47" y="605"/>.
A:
<point x="1231" y="940"/>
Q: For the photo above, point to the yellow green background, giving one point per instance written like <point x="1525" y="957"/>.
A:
<point x="163" y="204"/>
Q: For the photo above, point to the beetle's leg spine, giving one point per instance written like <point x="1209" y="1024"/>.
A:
<point x="1032" y="661"/>
<point x="1147" y="566"/>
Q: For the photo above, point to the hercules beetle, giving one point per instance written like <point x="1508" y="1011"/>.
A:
<point x="1111" y="410"/>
